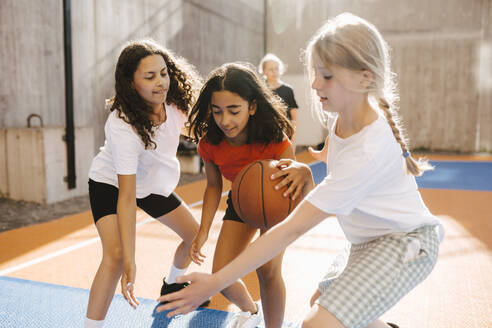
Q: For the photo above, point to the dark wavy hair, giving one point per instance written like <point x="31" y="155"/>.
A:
<point x="183" y="86"/>
<point x="268" y="124"/>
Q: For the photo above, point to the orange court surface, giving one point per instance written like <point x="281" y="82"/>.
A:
<point x="458" y="293"/>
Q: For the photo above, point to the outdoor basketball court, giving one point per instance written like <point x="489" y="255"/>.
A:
<point x="47" y="269"/>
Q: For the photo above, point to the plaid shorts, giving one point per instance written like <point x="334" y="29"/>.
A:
<point x="374" y="276"/>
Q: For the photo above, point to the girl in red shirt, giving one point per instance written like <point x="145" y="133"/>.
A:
<point x="237" y="121"/>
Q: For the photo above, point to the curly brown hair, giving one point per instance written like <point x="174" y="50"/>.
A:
<point x="268" y="124"/>
<point x="183" y="86"/>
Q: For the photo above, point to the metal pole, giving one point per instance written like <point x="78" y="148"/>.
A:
<point x="69" y="120"/>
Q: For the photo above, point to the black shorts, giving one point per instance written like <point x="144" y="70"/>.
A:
<point x="104" y="197"/>
<point x="230" y="213"/>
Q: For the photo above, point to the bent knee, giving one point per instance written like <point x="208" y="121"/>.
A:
<point x="320" y="317"/>
<point x="228" y="291"/>
<point x="307" y="323"/>
<point x="113" y="256"/>
<point x="316" y="323"/>
<point x="269" y="272"/>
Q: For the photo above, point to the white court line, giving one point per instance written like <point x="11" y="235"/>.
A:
<point x="76" y="246"/>
<point x="86" y="243"/>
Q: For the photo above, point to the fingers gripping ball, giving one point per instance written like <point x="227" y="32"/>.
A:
<point x="255" y="199"/>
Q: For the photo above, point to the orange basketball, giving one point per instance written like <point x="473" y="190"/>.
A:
<point x="254" y="196"/>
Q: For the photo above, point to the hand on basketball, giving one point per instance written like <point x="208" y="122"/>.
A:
<point x="128" y="284"/>
<point x="201" y="287"/>
<point x="320" y="155"/>
<point x="196" y="254"/>
<point x="295" y="176"/>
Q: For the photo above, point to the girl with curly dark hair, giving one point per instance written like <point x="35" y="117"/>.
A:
<point x="237" y="121"/>
<point x="138" y="167"/>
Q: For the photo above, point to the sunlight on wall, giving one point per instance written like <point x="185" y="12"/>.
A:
<point x="484" y="67"/>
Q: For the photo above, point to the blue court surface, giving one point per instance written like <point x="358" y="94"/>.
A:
<point x="26" y="303"/>
<point x="457" y="175"/>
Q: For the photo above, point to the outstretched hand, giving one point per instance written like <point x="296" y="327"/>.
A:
<point x="320" y="155"/>
<point x="196" y="254"/>
<point x="128" y="285"/>
<point x="201" y="288"/>
<point x="295" y="176"/>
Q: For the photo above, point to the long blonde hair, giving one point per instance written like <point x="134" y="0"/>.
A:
<point x="353" y="43"/>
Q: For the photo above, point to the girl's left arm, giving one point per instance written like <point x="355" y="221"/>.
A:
<point x="267" y="246"/>
<point x="126" y="218"/>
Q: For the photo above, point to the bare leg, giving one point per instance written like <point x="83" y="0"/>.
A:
<point x="319" y="317"/>
<point x="234" y="237"/>
<point x="109" y="271"/>
<point x="273" y="294"/>
<point x="182" y="222"/>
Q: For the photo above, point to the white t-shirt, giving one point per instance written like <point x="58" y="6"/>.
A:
<point x="157" y="170"/>
<point x="367" y="186"/>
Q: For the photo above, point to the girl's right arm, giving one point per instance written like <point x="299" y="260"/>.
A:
<point x="304" y="217"/>
<point x="126" y="210"/>
<point x="211" y="199"/>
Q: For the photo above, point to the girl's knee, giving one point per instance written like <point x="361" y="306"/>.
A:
<point x="185" y="245"/>
<point x="188" y="239"/>
<point x="191" y="227"/>
<point x="315" y="323"/>
<point x="269" y="272"/>
<point x="320" y="317"/>
<point x="113" y="257"/>
<point x="227" y="291"/>
<point x="307" y="323"/>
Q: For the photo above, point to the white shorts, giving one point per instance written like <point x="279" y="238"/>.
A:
<point x="377" y="274"/>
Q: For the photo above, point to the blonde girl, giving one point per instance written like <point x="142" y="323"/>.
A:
<point x="370" y="187"/>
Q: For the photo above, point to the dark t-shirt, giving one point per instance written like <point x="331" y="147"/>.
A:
<point x="286" y="92"/>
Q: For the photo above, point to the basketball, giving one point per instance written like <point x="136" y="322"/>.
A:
<point x="254" y="196"/>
